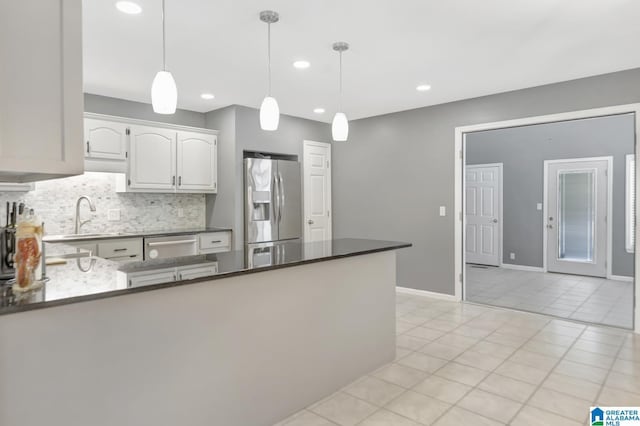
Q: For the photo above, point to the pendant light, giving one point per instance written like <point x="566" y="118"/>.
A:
<point x="340" y="125"/>
<point x="269" y="110"/>
<point x="164" y="93"/>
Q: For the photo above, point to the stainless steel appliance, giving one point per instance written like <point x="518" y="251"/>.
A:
<point x="273" y="207"/>
<point x="173" y="246"/>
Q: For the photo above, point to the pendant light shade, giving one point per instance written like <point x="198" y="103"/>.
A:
<point x="164" y="93"/>
<point x="269" y="110"/>
<point x="269" y="114"/>
<point x="340" y="127"/>
<point x="340" y="124"/>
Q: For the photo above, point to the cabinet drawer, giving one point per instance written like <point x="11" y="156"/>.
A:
<point x="215" y="242"/>
<point x="197" y="271"/>
<point x="152" y="277"/>
<point x="131" y="248"/>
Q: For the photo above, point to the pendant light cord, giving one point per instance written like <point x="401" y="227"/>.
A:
<point x="268" y="53"/>
<point x="340" y="97"/>
<point x="164" y="48"/>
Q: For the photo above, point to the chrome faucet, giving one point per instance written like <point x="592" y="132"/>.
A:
<point x="92" y="207"/>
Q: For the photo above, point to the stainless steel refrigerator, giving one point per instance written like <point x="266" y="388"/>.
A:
<point x="273" y="207"/>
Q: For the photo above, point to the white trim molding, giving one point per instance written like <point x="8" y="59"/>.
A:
<point x="621" y="278"/>
<point x="521" y="267"/>
<point x="459" y="175"/>
<point x="425" y="293"/>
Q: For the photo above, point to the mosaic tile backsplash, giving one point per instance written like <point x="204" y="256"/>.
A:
<point x="55" y="202"/>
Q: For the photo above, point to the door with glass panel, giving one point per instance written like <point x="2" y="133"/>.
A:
<point x="577" y="207"/>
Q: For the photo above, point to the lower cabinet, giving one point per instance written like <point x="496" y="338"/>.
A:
<point x="168" y="275"/>
<point x="158" y="276"/>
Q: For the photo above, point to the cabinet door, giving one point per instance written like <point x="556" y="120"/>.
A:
<point x="197" y="271"/>
<point x="139" y="279"/>
<point x="105" y="139"/>
<point x="197" y="162"/>
<point x="41" y="103"/>
<point x="152" y="162"/>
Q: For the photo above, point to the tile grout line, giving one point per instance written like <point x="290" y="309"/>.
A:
<point x="604" y="382"/>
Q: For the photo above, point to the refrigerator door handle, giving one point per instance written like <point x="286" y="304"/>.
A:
<point x="281" y="194"/>
<point x="276" y="198"/>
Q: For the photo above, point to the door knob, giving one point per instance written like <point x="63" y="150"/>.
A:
<point x="310" y="222"/>
<point x="550" y="226"/>
<point x="495" y="220"/>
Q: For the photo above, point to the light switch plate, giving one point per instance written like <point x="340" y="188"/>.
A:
<point x="113" y="215"/>
<point x="443" y="211"/>
<point x="512" y="256"/>
<point x="539" y="206"/>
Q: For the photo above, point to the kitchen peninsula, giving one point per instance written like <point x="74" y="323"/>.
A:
<point x="200" y="351"/>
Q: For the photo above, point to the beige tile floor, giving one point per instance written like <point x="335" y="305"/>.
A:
<point x="463" y="364"/>
<point x="587" y="299"/>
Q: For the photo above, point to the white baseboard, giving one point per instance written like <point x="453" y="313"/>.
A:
<point x="621" y="278"/>
<point x="521" y="267"/>
<point x="425" y="293"/>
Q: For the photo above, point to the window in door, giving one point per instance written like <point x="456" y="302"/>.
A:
<point x="630" y="203"/>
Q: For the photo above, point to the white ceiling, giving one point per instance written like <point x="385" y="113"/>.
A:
<point x="463" y="48"/>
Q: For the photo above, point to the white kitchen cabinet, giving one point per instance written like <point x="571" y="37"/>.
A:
<point x="152" y="159"/>
<point x="138" y="279"/>
<point x="41" y="98"/>
<point x="105" y="139"/>
<point x="214" y="242"/>
<point x="197" y="162"/>
<point x="192" y="272"/>
<point x="121" y="249"/>
<point x="17" y="187"/>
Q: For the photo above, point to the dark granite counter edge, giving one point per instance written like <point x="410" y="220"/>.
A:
<point x="143" y="234"/>
<point x="115" y="293"/>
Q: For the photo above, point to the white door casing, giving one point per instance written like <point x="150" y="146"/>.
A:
<point x="577" y="207"/>
<point x="152" y="162"/>
<point x="105" y="139"/>
<point x="483" y="214"/>
<point x="317" y="191"/>
<point x="196" y="167"/>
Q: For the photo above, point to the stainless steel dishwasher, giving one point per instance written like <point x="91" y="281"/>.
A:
<point x="172" y="246"/>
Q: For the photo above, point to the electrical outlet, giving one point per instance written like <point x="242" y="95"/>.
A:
<point x="180" y="212"/>
<point x="113" y="215"/>
<point x="539" y="206"/>
<point x="512" y="256"/>
<point x="443" y="211"/>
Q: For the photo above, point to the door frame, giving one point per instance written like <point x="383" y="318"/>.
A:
<point x="459" y="152"/>
<point x="500" y="167"/>
<point x="545" y="207"/>
<point x="305" y="146"/>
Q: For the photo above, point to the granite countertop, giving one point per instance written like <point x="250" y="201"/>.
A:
<point x="91" y="278"/>
<point x="134" y="234"/>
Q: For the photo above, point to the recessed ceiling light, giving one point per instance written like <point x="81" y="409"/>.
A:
<point x="423" y="88"/>
<point x="128" y="7"/>
<point x="301" y="64"/>
<point x="319" y="110"/>
<point x="207" y="96"/>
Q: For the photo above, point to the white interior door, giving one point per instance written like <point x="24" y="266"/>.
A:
<point x="317" y="191"/>
<point x="483" y="215"/>
<point x="577" y="208"/>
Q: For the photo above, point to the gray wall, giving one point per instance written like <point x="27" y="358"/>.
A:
<point x="123" y="108"/>
<point x="522" y="150"/>
<point x="396" y="169"/>
<point x="245" y="134"/>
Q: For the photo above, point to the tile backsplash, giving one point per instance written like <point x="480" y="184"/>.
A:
<point x="55" y="202"/>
